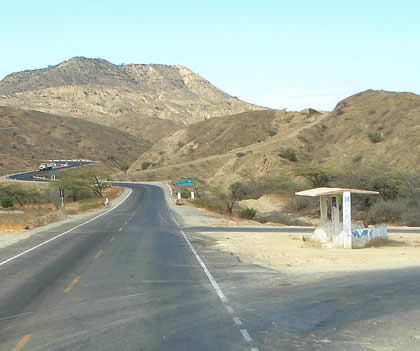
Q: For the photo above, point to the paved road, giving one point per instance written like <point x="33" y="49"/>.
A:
<point x="130" y="281"/>
<point x="28" y="175"/>
<point x="126" y="281"/>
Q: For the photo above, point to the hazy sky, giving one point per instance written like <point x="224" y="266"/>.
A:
<point x="280" y="54"/>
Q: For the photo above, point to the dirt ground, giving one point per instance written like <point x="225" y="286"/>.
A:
<point x="288" y="253"/>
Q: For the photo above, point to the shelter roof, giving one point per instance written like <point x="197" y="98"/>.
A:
<point x="333" y="191"/>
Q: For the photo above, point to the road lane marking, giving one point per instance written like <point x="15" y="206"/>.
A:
<point x="246" y="335"/>
<point x="22" y="342"/>
<point x="248" y="339"/>
<point x="237" y="321"/>
<point x="73" y="283"/>
<point x="120" y="229"/>
<point x="112" y="239"/>
<point x="98" y="254"/>
<point x="67" y="232"/>
<point x="229" y="309"/>
<point x="208" y="274"/>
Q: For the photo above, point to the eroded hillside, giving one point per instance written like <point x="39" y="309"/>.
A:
<point x="29" y="137"/>
<point x="119" y="95"/>
<point x="372" y="126"/>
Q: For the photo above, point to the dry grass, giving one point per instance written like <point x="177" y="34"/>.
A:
<point x="32" y="216"/>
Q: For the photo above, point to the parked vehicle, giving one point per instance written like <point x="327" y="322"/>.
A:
<point x="46" y="166"/>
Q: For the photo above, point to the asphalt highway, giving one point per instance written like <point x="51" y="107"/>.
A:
<point x="130" y="280"/>
<point x="29" y="175"/>
<point x="126" y="281"/>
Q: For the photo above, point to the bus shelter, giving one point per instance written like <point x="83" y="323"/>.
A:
<point x="336" y="228"/>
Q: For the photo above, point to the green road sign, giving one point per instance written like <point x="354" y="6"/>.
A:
<point x="185" y="182"/>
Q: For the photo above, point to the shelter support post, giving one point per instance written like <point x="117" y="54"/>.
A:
<point x="323" y="204"/>
<point x="347" y="220"/>
<point x="335" y="216"/>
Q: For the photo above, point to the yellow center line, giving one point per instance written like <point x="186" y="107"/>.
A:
<point x="112" y="239"/>
<point x="98" y="254"/>
<point x="73" y="283"/>
<point x="22" y="342"/>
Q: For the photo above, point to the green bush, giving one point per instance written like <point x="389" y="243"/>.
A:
<point x="6" y="203"/>
<point x="339" y="112"/>
<point x="247" y="213"/>
<point x="375" y="137"/>
<point x="145" y="165"/>
<point x="289" y="154"/>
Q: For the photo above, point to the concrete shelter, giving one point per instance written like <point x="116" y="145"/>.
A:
<point x="338" y="229"/>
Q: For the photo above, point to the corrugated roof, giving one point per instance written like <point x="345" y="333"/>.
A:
<point x="331" y="191"/>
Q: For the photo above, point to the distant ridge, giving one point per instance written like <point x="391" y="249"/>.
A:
<point x="100" y="91"/>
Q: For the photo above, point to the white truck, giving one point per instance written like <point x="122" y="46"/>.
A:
<point x="46" y="166"/>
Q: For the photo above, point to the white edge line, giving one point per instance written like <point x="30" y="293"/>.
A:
<point x="237" y="321"/>
<point x="229" y="309"/>
<point x="216" y="286"/>
<point x="66" y="232"/>
<point x="246" y="335"/>
<point x="200" y="261"/>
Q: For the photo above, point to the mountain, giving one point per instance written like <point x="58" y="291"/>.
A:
<point x="31" y="137"/>
<point x="99" y="91"/>
<point x="371" y="127"/>
<point x="220" y="149"/>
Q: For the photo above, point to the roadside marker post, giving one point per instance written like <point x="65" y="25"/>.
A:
<point x="192" y="195"/>
<point x="63" y="210"/>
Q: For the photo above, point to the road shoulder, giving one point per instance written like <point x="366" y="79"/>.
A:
<point x="13" y="243"/>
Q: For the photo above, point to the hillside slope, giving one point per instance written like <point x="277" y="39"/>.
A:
<point x="223" y="150"/>
<point x="30" y="137"/>
<point x="343" y="138"/>
<point x="100" y="91"/>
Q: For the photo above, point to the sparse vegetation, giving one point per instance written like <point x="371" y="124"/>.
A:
<point x="145" y="165"/>
<point x="339" y="112"/>
<point x="289" y="154"/>
<point x="247" y="213"/>
<point x="375" y="137"/>
<point x="317" y="176"/>
<point x="6" y="203"/>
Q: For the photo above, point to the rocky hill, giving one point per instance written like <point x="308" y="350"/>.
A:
<point x="30" y="137"/>
<point x="223" y="148"/>
<point x="371" y="126"/>
<point x="99" y="91"/>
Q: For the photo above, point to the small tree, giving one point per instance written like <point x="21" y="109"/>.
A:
<point x="234" y="193"/>
<point x="6" y="203"/>
<point x="318" y="176"/>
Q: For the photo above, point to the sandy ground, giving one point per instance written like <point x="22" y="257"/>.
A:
<point x="287" y="253"/>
